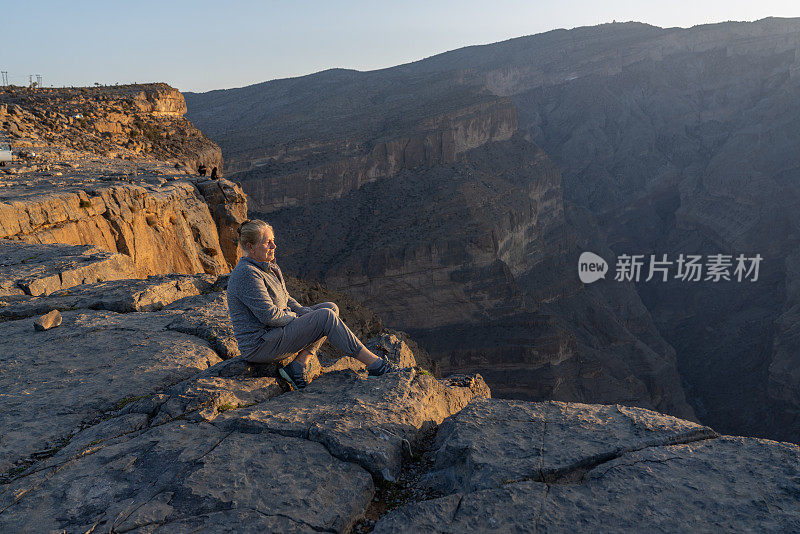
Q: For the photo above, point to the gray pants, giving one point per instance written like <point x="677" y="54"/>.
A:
<point x="308" y="331"/>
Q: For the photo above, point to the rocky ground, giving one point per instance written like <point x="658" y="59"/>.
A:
<point x="138" y="414"/>
<point x="150" y="367"/>
<point x="558" y="467"/>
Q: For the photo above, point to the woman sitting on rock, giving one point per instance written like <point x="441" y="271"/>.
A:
<point x="270" y="325"/>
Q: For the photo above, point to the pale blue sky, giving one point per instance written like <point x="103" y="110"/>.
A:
<point x="203" y="45"/>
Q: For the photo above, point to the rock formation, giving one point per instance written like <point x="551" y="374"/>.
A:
<point x="146" y="120"/>
<point x="83" y="189"/>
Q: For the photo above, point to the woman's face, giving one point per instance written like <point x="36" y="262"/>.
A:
<point x="263" y="250"/>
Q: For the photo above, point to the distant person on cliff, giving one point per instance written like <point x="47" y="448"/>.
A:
<point x="270" y="325"/>
<point x="201" y="170"/>
<point x="214" y="173"/>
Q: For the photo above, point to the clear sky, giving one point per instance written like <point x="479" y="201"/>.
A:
<point x="201" y="45"/>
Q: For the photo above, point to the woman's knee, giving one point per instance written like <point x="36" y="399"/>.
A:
<point x="329" y="306"/>
<point x="326" y="316"/>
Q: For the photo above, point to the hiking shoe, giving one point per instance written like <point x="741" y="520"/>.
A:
<point x="294" y="375"/>
<point x="386" y="367"/>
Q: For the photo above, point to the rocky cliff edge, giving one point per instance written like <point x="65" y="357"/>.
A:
<point x="116" y="168"/>
<point x="137" y="414"/>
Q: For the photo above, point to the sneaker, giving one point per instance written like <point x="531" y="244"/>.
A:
<point x="294" y="376"/>
<point x="386" y="367"/>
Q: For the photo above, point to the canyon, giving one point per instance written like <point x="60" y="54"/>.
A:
<point x="617" y="139"/>
<point x="131" y="409"/>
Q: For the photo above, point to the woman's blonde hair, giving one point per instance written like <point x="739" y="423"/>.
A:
<point x="250" y="232"/>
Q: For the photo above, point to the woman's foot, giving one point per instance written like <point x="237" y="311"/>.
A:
<point x="294" y="374"/>
<point x="381" y="367"/>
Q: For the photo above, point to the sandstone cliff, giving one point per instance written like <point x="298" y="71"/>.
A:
<point x="163" y="226"/>
<point x="112" y="188"/>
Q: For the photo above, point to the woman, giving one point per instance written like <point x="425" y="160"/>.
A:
<point x="270" y="325"/>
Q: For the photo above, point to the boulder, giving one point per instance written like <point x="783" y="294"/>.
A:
<point x="47" y="321"/>
<point x="559" y="467"/>
<point x="373" y="422"/>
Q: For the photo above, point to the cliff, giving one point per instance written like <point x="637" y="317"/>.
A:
<point x="96" y="181"/>
<point x="164" y="226"/>
<point x="136" y="121"/>
<point x="290" y="175"/>
<point x="187" y="436"/>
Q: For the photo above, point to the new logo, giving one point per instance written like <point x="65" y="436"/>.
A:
<point x="591" y="267"/>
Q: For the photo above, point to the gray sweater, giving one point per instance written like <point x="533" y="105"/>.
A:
<point x="258" y="303"/>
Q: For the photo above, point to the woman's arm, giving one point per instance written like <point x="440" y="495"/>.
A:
<point x="296" y="307"/>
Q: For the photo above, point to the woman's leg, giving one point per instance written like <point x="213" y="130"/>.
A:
<point x="311" y="350"/>
<point x="345" y="337"/>
<point x="307" y="332"/>
<point x="308" y="329"/>
<point x="364" y="355"/>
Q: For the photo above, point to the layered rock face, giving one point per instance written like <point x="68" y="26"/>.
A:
<point x="162" y="228"/>
<point x="168" y="230"/>
<point x="308" y="173"/>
